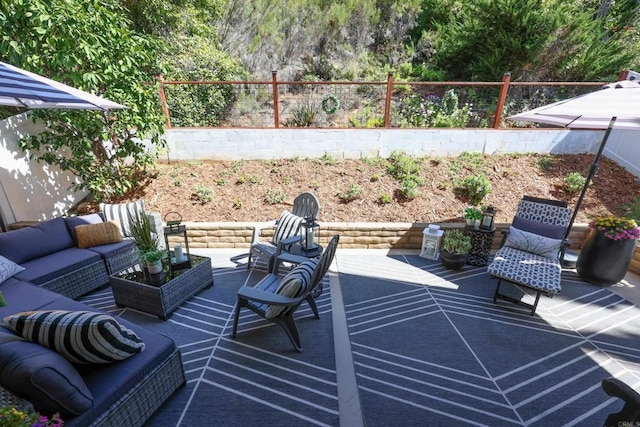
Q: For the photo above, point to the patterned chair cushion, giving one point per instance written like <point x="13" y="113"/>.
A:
<point x="292" y="285"/>
<point x="79" y="336"/>
<point x="544" y="213"/>
<point x="534" y="243"/>
<point x="534" y="271"/>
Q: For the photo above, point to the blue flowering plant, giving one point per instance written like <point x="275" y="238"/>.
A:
<point x="616" y="228"/>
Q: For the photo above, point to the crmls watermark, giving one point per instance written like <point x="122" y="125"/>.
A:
<point x="628" y="424"/>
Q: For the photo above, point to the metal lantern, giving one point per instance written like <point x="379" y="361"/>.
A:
<point x="431" y="236"/>
<point x="487" y="218"/>
<point x="179" y="257"/>
<point x="310" y="234"/>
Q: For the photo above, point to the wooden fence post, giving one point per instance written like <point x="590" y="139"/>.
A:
<point x="387" y="104"/>
<point x="276" y="109"/>
<point x="501" y="100"/>
<point x="163" y="100"/>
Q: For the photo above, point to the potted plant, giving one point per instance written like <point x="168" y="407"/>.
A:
<point x="153" y="260"/>
<point x="606" y="254"/>
<point x="142" y="234"/>
<point x="456" y="245"/>
<point x="472" y="216"/>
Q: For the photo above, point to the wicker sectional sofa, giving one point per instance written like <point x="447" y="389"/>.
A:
<point x="123" y="393"/>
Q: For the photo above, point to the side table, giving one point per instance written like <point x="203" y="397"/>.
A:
<point x="481" y="241"/>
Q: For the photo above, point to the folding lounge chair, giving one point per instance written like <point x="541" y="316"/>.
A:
<point x="531" y="253"/>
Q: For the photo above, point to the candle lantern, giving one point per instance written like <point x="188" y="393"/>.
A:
<point x="179" y="257"/>
<point x="431" y="236"/>
<point x="487" y="218"/>
<point x="310" y="233"/>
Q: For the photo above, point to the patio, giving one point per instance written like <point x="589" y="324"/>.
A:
<point x="400" y="341"/>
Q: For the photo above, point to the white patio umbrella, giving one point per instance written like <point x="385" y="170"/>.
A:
<point x="21" y="88"/>
<point x="616" y="105"/>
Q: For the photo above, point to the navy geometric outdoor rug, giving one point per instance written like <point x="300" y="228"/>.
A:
<point x="257" y="379"/>
<point x="431" y="347"/>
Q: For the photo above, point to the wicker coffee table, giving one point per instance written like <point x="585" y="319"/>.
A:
<point x="160" y="294"/>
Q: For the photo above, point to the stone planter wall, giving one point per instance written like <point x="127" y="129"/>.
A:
<point x="353" y="235"/>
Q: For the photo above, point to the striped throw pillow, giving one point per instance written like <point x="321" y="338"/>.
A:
<point x="79" y="336"/>
<point x="122" y="213"/>
<point x="293" y="285"/>
<point x="288" y="226"/>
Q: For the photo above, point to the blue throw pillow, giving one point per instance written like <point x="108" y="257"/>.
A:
<point x="547" y="230"/>
<point x="43" y="377"/>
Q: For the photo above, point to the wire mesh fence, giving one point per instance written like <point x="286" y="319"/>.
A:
<point x="269" y="104"/>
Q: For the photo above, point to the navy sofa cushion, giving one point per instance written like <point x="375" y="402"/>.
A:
<point x="73" y="221"/>
<point x="42" y="270"/>
<point x="108" y="383"/>
<point x="23" y="296"/>
<point x="29" y="243"/>
<point x="42" y="376"/>
<point x="107" y="251"/>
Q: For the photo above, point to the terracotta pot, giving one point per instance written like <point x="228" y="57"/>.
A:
<point x="453" y="261"/>
<point x="604" y="261"/>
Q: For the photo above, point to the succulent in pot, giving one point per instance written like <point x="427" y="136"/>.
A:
<point x="456" y="245"/>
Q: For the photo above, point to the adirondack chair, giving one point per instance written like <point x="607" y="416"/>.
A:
<point x="276" y="298"/>
<point x="287" y="230"/>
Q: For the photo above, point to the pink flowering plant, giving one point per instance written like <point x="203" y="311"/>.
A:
<point x="11" y="417"/>
<point x="616" y="228"/>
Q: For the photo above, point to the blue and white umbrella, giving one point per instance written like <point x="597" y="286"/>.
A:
<point x="21" y="88"/>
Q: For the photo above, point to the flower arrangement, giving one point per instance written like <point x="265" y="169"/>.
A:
<point x="616" y="228"/>
<point x="11" y="417"/>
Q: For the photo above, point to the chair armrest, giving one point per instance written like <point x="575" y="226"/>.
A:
<point x="505" y="234"/>
<point x="287" y="257"/>
<point x="258" y="295"/>
<point x="257" y="229"/>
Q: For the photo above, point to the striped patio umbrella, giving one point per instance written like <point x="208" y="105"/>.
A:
<point x="21" y="88"/>
<point x="615" y="105"/>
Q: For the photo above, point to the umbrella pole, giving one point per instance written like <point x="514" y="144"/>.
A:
<point x="592" y="171"/>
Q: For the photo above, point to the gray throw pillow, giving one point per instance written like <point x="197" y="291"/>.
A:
<point x="534" y="243"/>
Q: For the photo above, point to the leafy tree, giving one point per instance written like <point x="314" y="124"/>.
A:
<point x="88" y="44"/>
<point x="490" y="37"/>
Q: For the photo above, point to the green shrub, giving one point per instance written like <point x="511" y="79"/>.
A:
<point x="409" y="189"/>
<point x="385" y="198"/>
<point x="303" y="115"/>
<point x="354" y="192"/>
<point x="326" y="159"/>
<point x="273" y="196"/>
<point x="477" y="187"/>
<point x="203" y="193"/>
<point x="574" y="182"/>
<point x="545" y="163"/>
<point x="403" y="167"/>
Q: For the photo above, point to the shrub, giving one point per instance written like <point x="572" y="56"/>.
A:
<point x="476" y="187"/>
<point x="203" y="193"/>
<point x="303" y="115"/>
<point x="385" y="198"/>
<point x="354" y="192"/>
<point x="574" y="182"/>
<point x="409" y="189"/>
<point x="273" y="196"/>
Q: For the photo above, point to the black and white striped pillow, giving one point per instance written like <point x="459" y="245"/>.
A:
<point x="122" y="214"/>
<point x="288" y="226"/>
<point x="79" y="336"/>
<point x="292" y="285"/>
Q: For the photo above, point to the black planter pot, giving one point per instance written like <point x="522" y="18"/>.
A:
<point x="453" y="261"/>
<point x="604" y="261"/>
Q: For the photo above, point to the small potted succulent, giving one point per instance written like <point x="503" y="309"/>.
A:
<point x="473" y="216"/>
<point x="456" y="245"/>
<point x="153" y="260"/>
